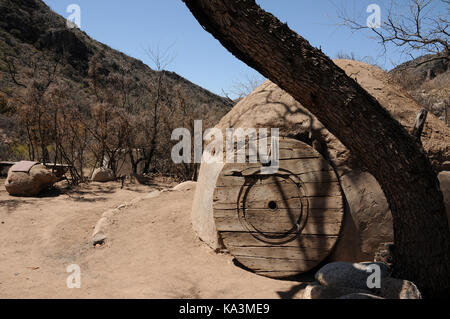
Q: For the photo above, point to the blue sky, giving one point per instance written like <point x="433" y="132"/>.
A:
<point x="133" y="25"/>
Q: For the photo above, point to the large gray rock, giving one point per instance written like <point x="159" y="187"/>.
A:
<point x="351" y="275"/>
<point x="317" y="291"/>
<point x="444" y="180"/>
<point x="31" y="183"/>
<point x="103" y="175"/>
<point x="369" y="210"/>
<point x="392" y="288"/>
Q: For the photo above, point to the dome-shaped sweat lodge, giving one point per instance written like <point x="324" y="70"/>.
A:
<point x="322" y="205"/>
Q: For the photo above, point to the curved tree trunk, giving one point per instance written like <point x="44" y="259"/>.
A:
<point x="422" y="237"/>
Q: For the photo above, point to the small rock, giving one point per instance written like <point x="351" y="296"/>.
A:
<point x="103" y="175"/>
<point x="345" y="274"/>
<point x="316" y="291"/>
<point x="360" y="296"/>
<point x="99" y="239"/>
<point x="186" y="186"/>
<point x="392" y="288"/>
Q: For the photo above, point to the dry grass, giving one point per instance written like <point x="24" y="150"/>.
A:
<point x="433" y="94"/>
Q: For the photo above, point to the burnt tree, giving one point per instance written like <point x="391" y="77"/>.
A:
<point x="386" y="149"/>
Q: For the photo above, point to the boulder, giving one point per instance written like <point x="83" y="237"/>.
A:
<point x="317" y="291"/>
<point x="38" y="179"/>
<point x="444" y="180"/>
<point x="392" y="288"/>
<point x="103" y="175"/>
<point x="369" y="210"/>
<point x="351" y="275"/>
<point x="186" y="186"/>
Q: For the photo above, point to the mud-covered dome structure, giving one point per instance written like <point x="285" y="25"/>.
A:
<point x="344" y="204"/>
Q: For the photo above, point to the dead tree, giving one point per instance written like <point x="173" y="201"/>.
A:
<point x="383" y="146"/>
<point x="419" y="30"/>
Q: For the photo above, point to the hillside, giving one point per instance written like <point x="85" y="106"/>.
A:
<point x="427" y="80"/>
<point x="29" y="28"/>
<point x="38" y="50"/>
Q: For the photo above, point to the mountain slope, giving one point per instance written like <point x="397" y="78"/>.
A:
<point x="427" y="80"/>
<point x="30" y="32"/>
<point x="63" y="94"/>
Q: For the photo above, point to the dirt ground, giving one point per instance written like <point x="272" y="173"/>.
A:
<point x="151" y="250"/>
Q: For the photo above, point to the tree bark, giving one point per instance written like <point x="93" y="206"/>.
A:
<point x="384" y="147"/>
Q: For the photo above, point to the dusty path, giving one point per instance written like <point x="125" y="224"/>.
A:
<point x="151" y="250"/>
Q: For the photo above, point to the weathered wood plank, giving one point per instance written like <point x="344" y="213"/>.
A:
<point x="282" y="190"/>
<point x="288" y="152"/>
<point x="278" y="264"/>
<point x="295" y="253"/>
<point x="312" y="177"/>
<point x="314" y="215"/>
<point x="272" y="191"/>
<point x="311" y="228"/>
<point x="313" y="203"/>
<point x="246" y="239"/>
<point x="295" y="166"/>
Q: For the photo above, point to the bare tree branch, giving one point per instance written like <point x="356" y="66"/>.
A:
<point x="421" y="30"/>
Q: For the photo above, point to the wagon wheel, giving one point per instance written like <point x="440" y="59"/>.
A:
<point x="282" y="224"/>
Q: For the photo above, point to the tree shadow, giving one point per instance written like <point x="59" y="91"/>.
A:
<point x="50" y="193"/>
<point x="12" y="204"/>
<point x="309" y="130"/>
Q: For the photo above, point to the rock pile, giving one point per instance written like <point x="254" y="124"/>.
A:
<point x="343" y="280"/>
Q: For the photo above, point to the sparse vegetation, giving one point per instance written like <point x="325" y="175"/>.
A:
<point x="428" y="81"/>
<point x="69" y="99"/>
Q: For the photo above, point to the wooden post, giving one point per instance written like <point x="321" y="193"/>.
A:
<point x="419" y="125"/>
